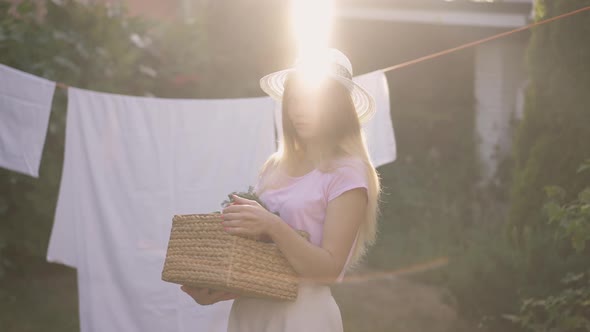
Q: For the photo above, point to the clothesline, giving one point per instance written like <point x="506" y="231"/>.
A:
<point x="483" y="40"/>
<point x="460" y="47"/>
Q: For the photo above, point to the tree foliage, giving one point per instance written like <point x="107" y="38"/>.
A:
<point x="552" y="140"/>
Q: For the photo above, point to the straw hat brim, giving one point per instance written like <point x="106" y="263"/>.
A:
<point x="274" y="85"/>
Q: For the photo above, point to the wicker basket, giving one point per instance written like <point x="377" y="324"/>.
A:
<point x="202" y="254"/>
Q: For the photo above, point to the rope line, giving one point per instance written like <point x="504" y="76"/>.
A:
<point x="480" y="41"/>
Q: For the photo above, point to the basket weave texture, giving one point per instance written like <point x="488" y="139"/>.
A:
<point x="201" y="254"/>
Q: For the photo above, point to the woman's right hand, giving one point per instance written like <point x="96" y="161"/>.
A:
<point x="207" y="296"/>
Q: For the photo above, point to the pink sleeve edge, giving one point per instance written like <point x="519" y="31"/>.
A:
<point x="345" y="189"/>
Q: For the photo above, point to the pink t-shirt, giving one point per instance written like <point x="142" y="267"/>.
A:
<point x="302" y="201"/>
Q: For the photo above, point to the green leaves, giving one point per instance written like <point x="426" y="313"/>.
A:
<point x="567" y="310"/>
<point x="567" y="307"/>
<point x="250" y="194"/>
<point x="585" y="166"/>
<point x="556" y="193"/>
<point x="584" y="197"/>
<point x="571" y="219"/>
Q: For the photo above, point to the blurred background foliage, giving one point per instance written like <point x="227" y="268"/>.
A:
<point x="520" y="256"/>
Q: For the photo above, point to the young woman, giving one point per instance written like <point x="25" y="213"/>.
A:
<point x="322" y="181"/>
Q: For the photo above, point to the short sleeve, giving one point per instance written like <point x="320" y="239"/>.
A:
<point x="347" y="177"/>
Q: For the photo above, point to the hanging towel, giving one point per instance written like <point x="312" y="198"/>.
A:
<point x="378" y="130"/>
<point x="130" y="164"/>
<point x="25" y="104"/>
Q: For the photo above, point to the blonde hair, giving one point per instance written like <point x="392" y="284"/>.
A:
<point x="343" y="137"/>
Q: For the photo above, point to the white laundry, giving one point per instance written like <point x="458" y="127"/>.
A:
<point x="25" y="106"/>
<point x="130" y="164"/>
<point x="378" y="130"/>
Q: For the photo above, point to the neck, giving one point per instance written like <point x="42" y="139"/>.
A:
<point x="311" y="153"/>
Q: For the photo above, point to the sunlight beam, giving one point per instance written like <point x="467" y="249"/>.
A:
<point x="311" y="23"/>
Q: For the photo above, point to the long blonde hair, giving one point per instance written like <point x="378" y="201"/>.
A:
<point x="343" y="136"/>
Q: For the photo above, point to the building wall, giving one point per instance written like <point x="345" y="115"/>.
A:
<point x="499" y="72"/>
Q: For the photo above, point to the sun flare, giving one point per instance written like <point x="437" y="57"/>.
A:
<point x="311" y="22"/>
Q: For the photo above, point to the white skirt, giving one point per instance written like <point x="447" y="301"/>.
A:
<point x="314" y="310"/>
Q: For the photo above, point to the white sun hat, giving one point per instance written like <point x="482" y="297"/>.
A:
<point x="333" y="63"/>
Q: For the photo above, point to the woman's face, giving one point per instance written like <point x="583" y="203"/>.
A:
<point x="304" y="112"/>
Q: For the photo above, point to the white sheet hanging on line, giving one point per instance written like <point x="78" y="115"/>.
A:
<point x="131" y="163"/>
<point x="379" y="131"/>
<point x="25" y="106"/>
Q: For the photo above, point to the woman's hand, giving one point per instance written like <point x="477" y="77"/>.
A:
<point x="248" y="218"/>
<point x="207" y="296"/>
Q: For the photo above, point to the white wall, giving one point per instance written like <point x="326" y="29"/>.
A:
<point x="499" y="68"/>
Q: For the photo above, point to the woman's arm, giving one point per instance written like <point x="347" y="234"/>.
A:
<point x="344" y="215"/>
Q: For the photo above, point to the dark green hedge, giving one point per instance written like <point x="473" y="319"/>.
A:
<point x="554" y="137"/>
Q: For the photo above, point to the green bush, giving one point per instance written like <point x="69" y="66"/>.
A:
<point x="567" y="307"/>
<point x="490" y="279"/>
<point x="566" y="311"/>
<point x="551" y="143"/>
<point x="572" y="219"/>
<point x="496" y="266"/>
<point x="552" y="139"/>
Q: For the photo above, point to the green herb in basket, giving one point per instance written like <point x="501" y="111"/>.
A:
<point x="250" y="194"/>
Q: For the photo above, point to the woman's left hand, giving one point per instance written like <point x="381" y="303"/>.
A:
<point x="248" y="218"/>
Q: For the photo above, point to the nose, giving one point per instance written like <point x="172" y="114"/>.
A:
<point x="298" y="112"/>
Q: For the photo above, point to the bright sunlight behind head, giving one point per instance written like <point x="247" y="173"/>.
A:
<point x="311" y="22"/>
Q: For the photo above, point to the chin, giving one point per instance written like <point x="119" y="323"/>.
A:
<point x="305" y="136"/>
